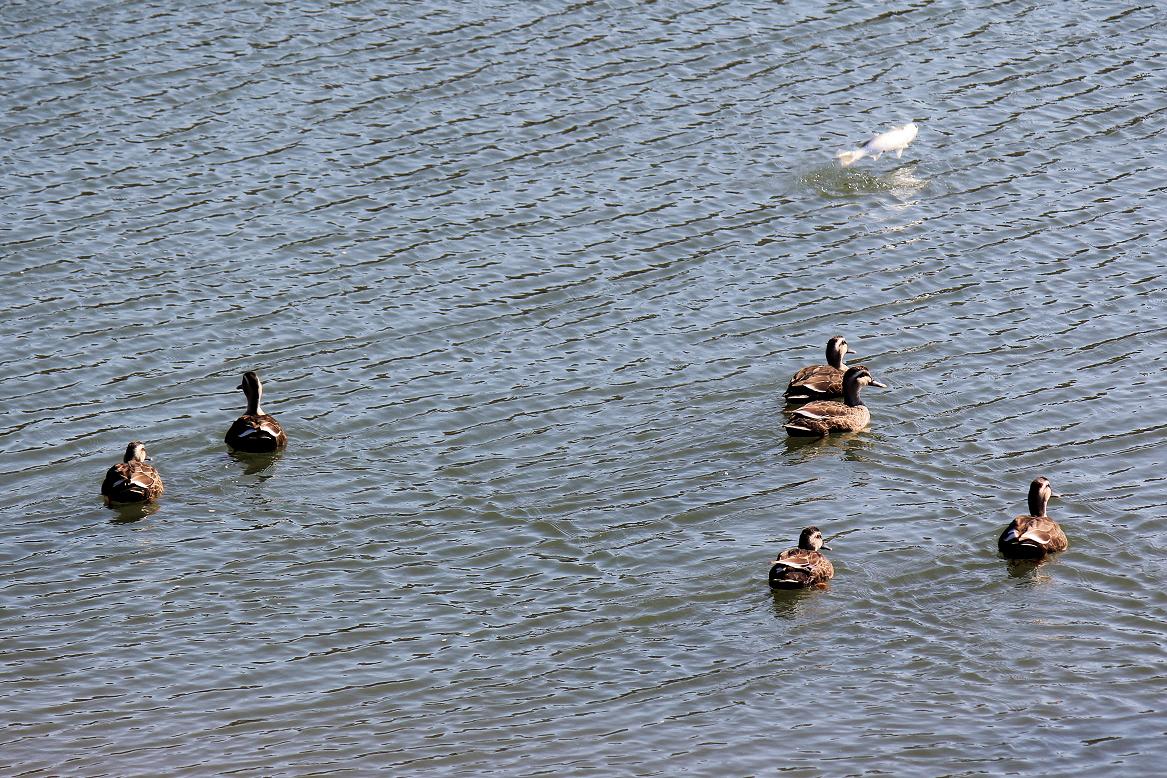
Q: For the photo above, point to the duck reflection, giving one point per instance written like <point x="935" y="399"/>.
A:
<point x="128" y="513"/>
<point x="852" y="446"/>
<point x="261" y="465"/>
<point x="1030" y="572"/>
<point x="788" y="602"/>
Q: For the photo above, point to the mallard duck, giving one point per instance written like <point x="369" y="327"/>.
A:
<point x="819" y="418"/>
<point x="1035" y="535"/>
<point x="255" y="432"/>
<point x="803" y="565"/>
<point x="821" y="382"/>
<point x="132" y="479"/>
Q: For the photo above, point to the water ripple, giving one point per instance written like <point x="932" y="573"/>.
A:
<point x="525" y="284"/>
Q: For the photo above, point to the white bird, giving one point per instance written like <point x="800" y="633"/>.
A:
<point x="896" y="139"/>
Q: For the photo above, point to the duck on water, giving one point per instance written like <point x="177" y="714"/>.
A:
<point x="823" y="417"/>
<point x="1036" y="535"/>
<point x="821" y="382"/>
<point x="804" y="565"/>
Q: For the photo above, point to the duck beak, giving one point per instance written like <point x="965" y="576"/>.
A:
<point x="877" y="383"/>
<point x="851" y="350"/>
<point x="825" y="548"/>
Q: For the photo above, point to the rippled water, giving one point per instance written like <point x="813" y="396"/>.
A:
<point x="525" y="282"/>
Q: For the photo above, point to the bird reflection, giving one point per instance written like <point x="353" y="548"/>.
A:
<point x="131" y="512"/>
<point x="852" y="445"/>
<point x="256" y="464"/>
<point x="835" y="181"/>
<point x="1029" y="572"/>
<point x="788" y="602"/>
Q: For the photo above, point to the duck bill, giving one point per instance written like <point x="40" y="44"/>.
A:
<point x="880" y="384"/>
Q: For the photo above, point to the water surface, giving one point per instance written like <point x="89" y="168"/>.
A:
<point x="526" y="282"/>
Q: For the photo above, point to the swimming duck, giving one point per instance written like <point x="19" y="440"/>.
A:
<point x="1035" y="535"/>
<point x="132" y="479"/>
<point x="804" y="565"/>
<point x="255" y="432"/>
<point x="825" y="416"/>
<point x="821" y="382"/>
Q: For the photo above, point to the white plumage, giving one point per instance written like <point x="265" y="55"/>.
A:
<point x="896" y="139"/>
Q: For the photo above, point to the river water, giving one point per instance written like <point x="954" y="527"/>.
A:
<point x="525" y="282"/>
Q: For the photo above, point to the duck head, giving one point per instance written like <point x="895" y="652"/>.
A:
<point x="253" y="389"/>
<point x="855" y="379"/>
<point x="1040" y="491"/>
<point x="811" y="539"/>
<point x="135" y="452"/>
<point x="837" y="350"/>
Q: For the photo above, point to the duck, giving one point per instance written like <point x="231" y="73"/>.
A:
<point x="1035" y="535"/>
<point x="804" y="565"/>
<point x="133" y="479"/>
<point x="821" y="417"/>
<point x="255" y="432"/>
<point x="821" y="382"/>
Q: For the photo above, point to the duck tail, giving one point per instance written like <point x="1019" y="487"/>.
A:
<point x="783" y="577"/>
<point x="1024" y="550"/>
<point x="798" y="431"/>
<point x="848" y="158"/>
<point x="800" y="393"/>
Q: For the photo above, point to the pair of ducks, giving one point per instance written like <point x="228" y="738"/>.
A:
<point x="1027" y="537"/>
<point x="134" y="480"/>
<point x="818" y="384"/>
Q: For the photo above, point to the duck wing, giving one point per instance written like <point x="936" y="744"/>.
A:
<point x="256" y="434"/>
<point x="815" y="382"/>
<point x="132" y="482"/>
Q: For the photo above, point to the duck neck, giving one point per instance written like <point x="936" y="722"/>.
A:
<point x="851" y="394"/>
<point x="1037" y="501"/>
<point x="253" y="398"/>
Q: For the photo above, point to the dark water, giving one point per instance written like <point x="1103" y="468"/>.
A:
<point x="525" y="282"/>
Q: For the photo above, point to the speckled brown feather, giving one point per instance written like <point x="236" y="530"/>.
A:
<point x="128" y="482"/>
<point x="821" y="570"/>
<point x="1041" y="534"/>
<point x="817" y="382"/>
<point x="837" y="417"/>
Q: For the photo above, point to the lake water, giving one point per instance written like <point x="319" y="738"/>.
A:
<point x="525" y="282"/>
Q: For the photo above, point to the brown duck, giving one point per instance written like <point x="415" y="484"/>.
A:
<point x="821" y="382"/>
<point x="133" y="479"/>
<point x="804" y="565"/>
<point x="255" y="432"/>
<point x="822" y="417"/>
<point x="1035" y="535"/>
